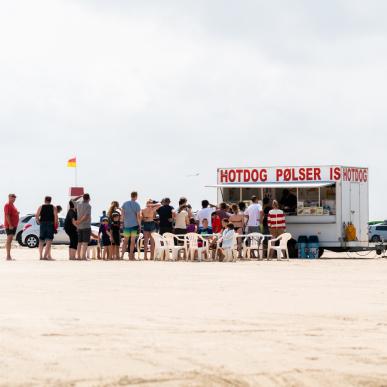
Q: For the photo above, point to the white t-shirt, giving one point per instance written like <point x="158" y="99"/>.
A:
<point x="253" y="212"/>
<point x="205" y="213"/>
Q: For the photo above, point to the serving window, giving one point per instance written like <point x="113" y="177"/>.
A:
<point x="296" y="201"/>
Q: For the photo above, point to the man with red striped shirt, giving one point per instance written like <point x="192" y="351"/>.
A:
<point x="276" y="220"/>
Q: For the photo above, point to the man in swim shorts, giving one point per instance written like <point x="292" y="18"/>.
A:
<point x="131" y="215"/>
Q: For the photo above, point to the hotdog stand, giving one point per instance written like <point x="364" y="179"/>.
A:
<point x="330" y="201"/>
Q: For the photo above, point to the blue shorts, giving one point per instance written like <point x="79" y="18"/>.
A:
<point x="149" y="226"/>
<point x="46" y="231"/>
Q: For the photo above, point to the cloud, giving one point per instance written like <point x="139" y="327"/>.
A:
<point x="147" y="92"/>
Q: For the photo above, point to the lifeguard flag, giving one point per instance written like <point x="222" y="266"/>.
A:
<point x="72" y="163"/>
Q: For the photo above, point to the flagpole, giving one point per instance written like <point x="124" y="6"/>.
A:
<point x="76" y="176"/>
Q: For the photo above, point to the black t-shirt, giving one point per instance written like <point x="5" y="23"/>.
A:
<point x="266" y="211"/>
<point x="115" y="226"/>
<point x="47" y="213"/>
<point x="68" y="224"/>
<point x="289" y="201"/>
<point x="165" y="214"/>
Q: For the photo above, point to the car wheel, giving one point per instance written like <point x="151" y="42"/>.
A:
<point x="32" y="241"/>
<point x="375" y="238"/>
<point x="19" y="238"/>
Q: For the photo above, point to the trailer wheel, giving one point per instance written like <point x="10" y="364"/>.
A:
<point x="320" y="252"/>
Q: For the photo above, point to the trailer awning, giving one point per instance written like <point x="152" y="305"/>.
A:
<point x="275" y="185"/>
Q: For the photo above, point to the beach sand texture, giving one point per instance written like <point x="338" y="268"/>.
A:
<point x="297" y="323"/>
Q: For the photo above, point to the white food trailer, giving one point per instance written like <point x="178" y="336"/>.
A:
<point x="327" y="198"/>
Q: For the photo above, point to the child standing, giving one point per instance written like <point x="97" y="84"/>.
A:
<point x="115" y="234"/>
<point x="104" y="238"/>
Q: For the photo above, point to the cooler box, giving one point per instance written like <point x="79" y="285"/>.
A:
<point x="313" y="247"/>
<point x="302" y="246"/>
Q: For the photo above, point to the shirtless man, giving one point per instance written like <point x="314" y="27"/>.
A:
<point x="148" y="215"/>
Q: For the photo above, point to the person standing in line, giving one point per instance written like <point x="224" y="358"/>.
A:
<point x="265" y="223"/>
<point x="183" y="202"/>
<point x="131" y="215"/>
<point x="115" y="230"/>
<point x="238" y="220"/>
<point x="148" y="215"/>
<point x="113" y="209"/>
<point x="223" y="211"/>
<point x="266" y="209"/>
<point x="166" y="214"/>
<point x="58" y="211"/>
<point x="276" y="220"/>
<point x="47" y="218"/>
<point x="11" y="221"/>
<point x="102" y="216"/>
<point x="205" y="213"/>
<point x="181" y="220"/>
<point x="254" y="215"/>
<point x="216" y="223"/>
<point x="104" y="238"/>
<point x="84" y="226"/>
<point x="71" y="230"/>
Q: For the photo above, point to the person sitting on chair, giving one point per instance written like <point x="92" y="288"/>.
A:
<point x="227" y="240"/>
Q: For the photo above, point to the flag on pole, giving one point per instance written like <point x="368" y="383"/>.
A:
<point x="72" y="163"/>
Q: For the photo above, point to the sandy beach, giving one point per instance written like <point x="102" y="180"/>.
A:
<point x="298" y="323"/>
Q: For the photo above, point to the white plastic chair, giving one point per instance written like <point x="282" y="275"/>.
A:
<point x="191" y="246"/>
<point x="283" y="246"/>
<point x="140" y="244"/>
<point x="253" y="242"/>
<point x="174" y="249"/>
<point x="161" y="248"/>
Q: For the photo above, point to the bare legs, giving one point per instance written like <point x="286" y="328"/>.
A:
<point x="82" y="247"/>
<point x="124" y="247"/>
<point x="106" y="253"/>
<point x="45" y="250"/>
<point x="72" y="254"/>
<point x="116" y="252"/>
<point x="8" y="246"/>
<point x="132" y="246"/>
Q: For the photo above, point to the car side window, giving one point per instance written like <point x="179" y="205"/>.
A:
<point x="381" y="228"/>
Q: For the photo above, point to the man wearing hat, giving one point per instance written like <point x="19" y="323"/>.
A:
<point x="11" y="221"/>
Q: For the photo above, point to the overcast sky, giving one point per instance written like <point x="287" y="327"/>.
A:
<point x="145" y="93"/>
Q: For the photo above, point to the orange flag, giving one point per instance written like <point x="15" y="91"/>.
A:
<point x="72" y="163"/>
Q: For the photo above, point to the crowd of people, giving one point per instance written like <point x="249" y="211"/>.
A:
<point x="120" y="226"/>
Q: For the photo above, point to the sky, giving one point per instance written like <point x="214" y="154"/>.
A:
<point x="147" y="94"/>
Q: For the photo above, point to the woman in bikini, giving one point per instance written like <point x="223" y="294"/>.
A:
<point x="148" y="215"/>
<point x="238" y="220"/>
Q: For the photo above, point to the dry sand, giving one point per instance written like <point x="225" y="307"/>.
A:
<point x="298" y="323"/>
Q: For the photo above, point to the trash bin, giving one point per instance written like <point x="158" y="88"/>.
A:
<point x="313" y="247"/>
<point x="302" y="246"/>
